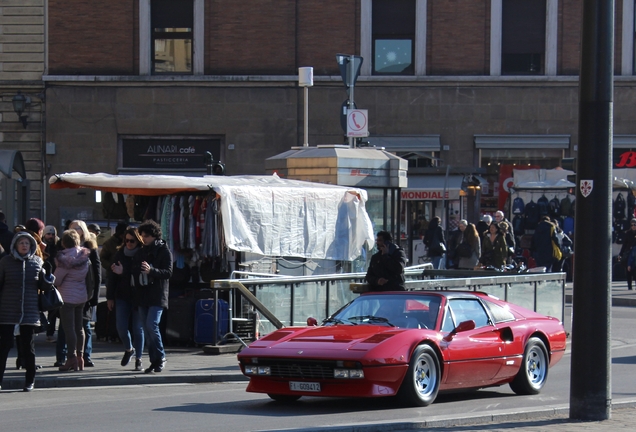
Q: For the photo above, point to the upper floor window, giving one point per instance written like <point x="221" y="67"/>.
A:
<point x="171" y="27"/>
<point x="393" y="28"/>
<point x="523" y="37"/>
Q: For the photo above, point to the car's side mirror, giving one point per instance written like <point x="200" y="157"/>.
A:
<point x="461" y="327"/>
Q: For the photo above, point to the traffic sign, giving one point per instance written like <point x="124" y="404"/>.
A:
<point x="347" y="67"/>
<point x="357" y="123"/>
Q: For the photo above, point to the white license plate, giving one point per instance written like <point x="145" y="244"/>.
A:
<point x="304" y="386"/>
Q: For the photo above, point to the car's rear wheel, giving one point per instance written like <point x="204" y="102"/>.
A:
<point x="283" y="398"/>
<point x="421" y="383"/>
<point x="533" y="372"/>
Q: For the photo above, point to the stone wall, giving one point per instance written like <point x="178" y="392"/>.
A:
<point x="21" y="66"/>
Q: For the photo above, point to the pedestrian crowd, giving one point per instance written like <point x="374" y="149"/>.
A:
<point x="34" y="260"/>
<point x="491" y="243"/>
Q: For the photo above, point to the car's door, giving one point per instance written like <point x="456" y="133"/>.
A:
<point x="472" y="357"/>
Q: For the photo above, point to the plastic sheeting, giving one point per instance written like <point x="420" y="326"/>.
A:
<point x="265" y="215"/>
<point x="542" y="179"/>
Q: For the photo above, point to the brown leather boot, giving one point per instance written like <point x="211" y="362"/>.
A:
<point x="71" y="364"/>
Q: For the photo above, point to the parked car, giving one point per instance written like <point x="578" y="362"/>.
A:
<point x="411" y="345"/>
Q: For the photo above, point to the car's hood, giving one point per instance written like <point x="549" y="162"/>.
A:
<point x="321" y="339"/>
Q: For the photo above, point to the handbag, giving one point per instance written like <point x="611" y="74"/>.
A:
<point x="464" y="250"/>
<point x="50" y="300"/>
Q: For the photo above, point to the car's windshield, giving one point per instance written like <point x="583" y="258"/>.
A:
<point x="405" y="311"/>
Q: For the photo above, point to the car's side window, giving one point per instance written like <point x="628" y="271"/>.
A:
<point x="499" y="313"/>
<point x="469" y="309"/>
<point x="448" y="324"/>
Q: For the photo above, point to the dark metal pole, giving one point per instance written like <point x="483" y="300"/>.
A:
<point x="590" y="382"/>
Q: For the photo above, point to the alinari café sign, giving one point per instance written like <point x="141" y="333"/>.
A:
<point x="168" y="154"/>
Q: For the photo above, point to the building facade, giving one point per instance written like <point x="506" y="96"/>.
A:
<point x="461" y="88"/>
<point x="22" y="62"/>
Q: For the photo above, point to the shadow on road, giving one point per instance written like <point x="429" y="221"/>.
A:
<point x="309" y="406"/>
<point x="624" y="360"/>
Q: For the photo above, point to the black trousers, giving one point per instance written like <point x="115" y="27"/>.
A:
<point x="26" y="350"/>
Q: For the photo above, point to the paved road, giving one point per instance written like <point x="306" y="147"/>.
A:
<point x="492" y="409"/>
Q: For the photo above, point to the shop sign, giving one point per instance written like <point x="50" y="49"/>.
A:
<point x="428" y="195"/>
<point x="624" y="159"/>
<point x="166" y="154"/>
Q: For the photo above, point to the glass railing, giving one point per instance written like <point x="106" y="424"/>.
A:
<point x="291" y="300"/>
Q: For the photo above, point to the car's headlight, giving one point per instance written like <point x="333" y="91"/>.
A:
<point x="257" y="370"/>
<point x="348" y="373"/>
<point x="356" y="373"/>
<point x="341" y="373"/>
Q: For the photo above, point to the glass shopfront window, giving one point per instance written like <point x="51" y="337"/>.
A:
<point x="499" y="164"/>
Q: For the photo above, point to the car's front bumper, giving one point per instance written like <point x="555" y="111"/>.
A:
<point x="377" y="382"/>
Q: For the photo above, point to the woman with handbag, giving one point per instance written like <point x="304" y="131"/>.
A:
<point x="494" y="250"/>
<point x="70" y="273"/>
<point x="21" y="276"/>
<point x="469" y="250"/>
<point x="123" y="297"/>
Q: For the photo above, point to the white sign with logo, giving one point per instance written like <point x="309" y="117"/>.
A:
<point x="586" y="187"/>
<point x="357" y="123"/>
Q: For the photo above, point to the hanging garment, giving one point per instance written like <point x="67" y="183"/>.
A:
<point x="517" y="206"/>
<point x="531" y="216"/>
<point x="176" y="220"/>
<point x="554" y="208"/>
<point x="619" y="207"/>
<point x="201" y="225"/>
<point x="114" y="206"/>
<point x="191" y="223"/>
<point x="566" y="207"/>
<point x="543" y="206"/>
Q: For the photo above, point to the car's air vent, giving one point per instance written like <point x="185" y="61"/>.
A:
<point x="276" y="336"/>
<point x="378" y="338"/>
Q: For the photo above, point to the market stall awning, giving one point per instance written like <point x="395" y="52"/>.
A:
<point x="432" y="187"/>
<point x="265" y="215"/>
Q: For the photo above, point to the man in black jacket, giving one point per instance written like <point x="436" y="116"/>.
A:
<point x="152" y="268"/>
<point x="386" y="270"/>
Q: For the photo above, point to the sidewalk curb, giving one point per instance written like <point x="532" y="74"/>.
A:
<point x="557" y="413"/>
<point x="77" y="380"/>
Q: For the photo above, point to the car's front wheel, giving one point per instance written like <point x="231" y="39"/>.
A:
<point x="283" y="398"/>
<point x="421" y="383"/>
<point x="533" y="372"/>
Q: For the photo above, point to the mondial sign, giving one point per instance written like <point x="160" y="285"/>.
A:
<point x="428" y="195"/>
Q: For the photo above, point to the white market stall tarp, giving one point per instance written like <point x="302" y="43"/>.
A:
<point x="265" y="215"/>
<point x="541" y="178"/>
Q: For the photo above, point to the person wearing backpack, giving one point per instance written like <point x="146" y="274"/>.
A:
<point x="629" y="241"/>
<point x="542" y="249"/>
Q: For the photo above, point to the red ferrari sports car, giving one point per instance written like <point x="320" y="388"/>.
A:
<point x="411" y="345"/>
